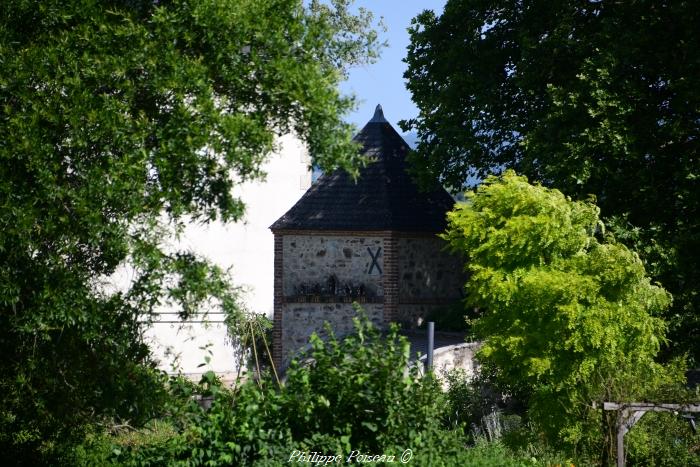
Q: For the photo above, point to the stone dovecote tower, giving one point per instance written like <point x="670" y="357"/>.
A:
<point x="372" y="241"/>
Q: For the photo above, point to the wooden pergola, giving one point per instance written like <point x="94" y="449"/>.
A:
<point x="628" y="414"/>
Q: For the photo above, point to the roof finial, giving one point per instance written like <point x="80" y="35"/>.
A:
<point x="378" y="115"/>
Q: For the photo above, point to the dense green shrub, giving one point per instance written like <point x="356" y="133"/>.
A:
<point x="361" y="389"/>
<point x="357" y="394"/>
<point x="468" y="400"/>
<point x="662" y="439"/>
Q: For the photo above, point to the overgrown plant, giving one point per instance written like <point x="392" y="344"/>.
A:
<point x="361" y="390"/>
<point x="352" y="394"/>
<point x="663" y="439"/>
<point x="569" y="315"/>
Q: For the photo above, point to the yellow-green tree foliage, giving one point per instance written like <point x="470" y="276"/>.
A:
<point x="585" y="96"/>
<point x="568" y="313"/>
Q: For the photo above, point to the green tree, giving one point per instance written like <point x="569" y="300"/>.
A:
<point x="121" y="121"/>
<point x="568" y="318"/>
<point x="590" y="97"/>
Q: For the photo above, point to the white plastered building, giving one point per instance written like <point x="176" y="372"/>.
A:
<point x="247" y="247"/>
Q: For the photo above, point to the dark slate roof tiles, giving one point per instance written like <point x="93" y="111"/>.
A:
<point x="384" y="197"/>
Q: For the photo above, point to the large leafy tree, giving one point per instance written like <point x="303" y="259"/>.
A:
<point x="591" y="97"/>
<point x="569" y="316"/>
<point x="120" y="121"/>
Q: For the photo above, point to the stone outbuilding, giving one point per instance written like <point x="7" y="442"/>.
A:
<point x="372" y="240"/>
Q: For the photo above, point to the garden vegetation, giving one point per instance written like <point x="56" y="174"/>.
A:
<point x="123" y="120"/>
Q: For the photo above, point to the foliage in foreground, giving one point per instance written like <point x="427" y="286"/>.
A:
<point x="121" y="121"/>
<point x="569" y="316"/>
<point x="357" y="394"/>
<point x="663" y="439"/>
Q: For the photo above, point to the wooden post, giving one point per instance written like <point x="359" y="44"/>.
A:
<point x="629" y="414"/>
<point x="620" y="440"/>
<point x="626" y="420"/>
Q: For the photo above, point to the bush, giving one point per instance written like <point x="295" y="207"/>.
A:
<point x="662" y="439"/>
<point x="360" y="389"/>
<point x="355" y="394"/>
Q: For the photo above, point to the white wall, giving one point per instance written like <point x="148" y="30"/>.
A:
<point x="247" y="246"/>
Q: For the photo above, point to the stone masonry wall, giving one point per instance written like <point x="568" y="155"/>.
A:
<point x="404" y="278"/>
<point x="311" y="259"/>
<point x="300" y="320"/>
<point x="427" y="273"/>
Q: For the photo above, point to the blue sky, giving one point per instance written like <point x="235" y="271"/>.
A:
<point x="383" y="83"/>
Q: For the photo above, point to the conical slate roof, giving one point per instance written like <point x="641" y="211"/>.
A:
<point x="384" y="197"/>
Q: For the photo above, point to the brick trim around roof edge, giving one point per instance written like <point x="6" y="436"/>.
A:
<point x="278" y="306"/>
<point x="357" y="233"/>
<point x="390" y="278"/>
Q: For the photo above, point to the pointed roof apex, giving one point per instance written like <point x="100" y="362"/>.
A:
<point x="383" y="198"/>
<point x="378" y="115"/>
